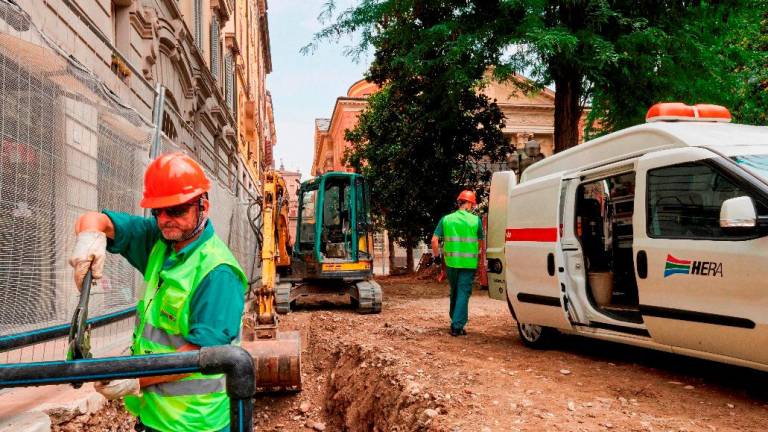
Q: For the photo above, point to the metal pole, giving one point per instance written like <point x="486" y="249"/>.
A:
<point x="158" y="109"/>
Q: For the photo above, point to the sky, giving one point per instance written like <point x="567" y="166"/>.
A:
<point x="304" y="87"/>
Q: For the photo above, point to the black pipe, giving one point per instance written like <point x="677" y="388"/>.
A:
<point x="233" y="361"/>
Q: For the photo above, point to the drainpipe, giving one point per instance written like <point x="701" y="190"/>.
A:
<point x="233" y="361"/>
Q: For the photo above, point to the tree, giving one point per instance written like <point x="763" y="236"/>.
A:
<point x="619" y="55"/>
<point x="751" y="105"/>
<point x="421" y="138"/>
<point x="706" y="52"/>
<point x="417" y="160"/>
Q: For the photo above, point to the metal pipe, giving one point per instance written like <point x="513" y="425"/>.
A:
<point x="158" y="110"/>
<point x="233" y="361"/>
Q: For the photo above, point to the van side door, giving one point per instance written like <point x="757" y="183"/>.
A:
<point x="533" y="288"/>
<point x="701" y="287"/>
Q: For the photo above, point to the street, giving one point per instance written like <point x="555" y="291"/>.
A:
<point x="400" y="370"/>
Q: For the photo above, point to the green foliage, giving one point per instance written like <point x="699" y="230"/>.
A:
<point x="421" y="137"/>
<point x="415" y="140"/>
<point x="706" y="53"/>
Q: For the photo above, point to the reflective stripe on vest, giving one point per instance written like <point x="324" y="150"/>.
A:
<point x="162" y="337"/>
<point x="187" y="388"/>
<point x="460" y="240"/>
<point x="461" y="254"/>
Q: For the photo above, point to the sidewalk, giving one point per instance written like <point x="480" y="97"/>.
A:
<point x="28" y="408"/>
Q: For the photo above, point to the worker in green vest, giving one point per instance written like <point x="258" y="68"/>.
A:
<point x="462" y="236"/>
<point x="194" y="297"/>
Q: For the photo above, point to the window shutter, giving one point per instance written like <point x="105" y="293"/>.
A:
<point x="229" y="81"/>
<point x="215" y="47"/>
<point x="197" y="11"/>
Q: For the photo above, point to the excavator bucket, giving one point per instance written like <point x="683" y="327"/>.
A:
<point x="277" y="362"/>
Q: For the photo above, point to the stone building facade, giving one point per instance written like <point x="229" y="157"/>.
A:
<point x="79" y="80"/>
<point x="330" y="144"/>
<point x="212" y="57"/>
<point x="527" y="118"/>
<point x="293" y="183"/>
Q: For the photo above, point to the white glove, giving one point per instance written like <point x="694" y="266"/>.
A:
<point x="90" y="251"/>
<point x="117" y="389"/>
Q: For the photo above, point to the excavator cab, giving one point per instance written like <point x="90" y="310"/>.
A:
<point x="333" y="250"/>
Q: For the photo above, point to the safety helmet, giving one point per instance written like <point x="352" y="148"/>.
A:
<point x="173" y="179"/>
<point x="468" y="196"/>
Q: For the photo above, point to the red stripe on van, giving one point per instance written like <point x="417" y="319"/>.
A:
<point x="532" y="234"/>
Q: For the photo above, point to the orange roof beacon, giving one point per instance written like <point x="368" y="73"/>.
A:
<point x="676" y="111"/>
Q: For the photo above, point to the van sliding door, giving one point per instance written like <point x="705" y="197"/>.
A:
<point x="570" y="256"/>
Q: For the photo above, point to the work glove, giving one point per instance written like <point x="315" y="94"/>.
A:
<point x="437" y="260"/>
<point x="117" y="389"/>
<point x="90" y="251"/>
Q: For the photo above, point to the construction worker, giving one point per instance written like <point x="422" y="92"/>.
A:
<point x="194" y="294"/>
<point x="462" y="236"/>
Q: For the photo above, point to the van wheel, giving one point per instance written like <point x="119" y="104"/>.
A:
<point x="536" y="336"/>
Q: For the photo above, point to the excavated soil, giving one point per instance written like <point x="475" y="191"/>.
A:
<point x="112" y="417"/>
<point x="401" y="371"/>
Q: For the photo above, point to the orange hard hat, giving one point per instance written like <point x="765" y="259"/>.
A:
<point x="173" y="179"/>
<point x="467" y="195"/>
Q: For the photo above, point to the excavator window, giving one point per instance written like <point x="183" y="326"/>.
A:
<point x="335" y="235"/>
<point x="363" y="219"/>
<point x="307" y="227"/>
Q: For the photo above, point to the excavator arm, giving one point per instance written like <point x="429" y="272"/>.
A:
<point x="274" y="248"/>
<point x="276" y="354"/>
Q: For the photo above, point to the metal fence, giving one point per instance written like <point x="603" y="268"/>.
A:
<point x="70" y="146"/>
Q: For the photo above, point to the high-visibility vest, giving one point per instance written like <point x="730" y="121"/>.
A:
<point x="460" y="242"/>
<point x="198" y="402"/>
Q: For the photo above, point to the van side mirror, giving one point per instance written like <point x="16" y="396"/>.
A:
<point x="738" y="212"/>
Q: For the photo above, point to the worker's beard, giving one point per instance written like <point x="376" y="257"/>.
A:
<point x="172" y="232"/>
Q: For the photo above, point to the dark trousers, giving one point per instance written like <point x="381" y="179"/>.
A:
<point x="460" y="280"/>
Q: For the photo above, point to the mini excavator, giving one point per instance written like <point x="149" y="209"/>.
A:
<point x="332" y="252"/>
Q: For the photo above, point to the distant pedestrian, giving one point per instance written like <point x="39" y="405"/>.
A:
<point x="462" y="236"/>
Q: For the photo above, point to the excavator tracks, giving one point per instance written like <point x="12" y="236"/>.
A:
<point x="368" y="297"/>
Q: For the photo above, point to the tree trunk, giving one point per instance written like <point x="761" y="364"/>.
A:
<point x="409" y="257"/>
<point x="391" y="251"/>
<point x="568" y="110"/>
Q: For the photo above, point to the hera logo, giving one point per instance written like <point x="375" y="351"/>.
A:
<point x="689" y="267"/>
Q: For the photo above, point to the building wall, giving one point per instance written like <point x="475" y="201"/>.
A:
<point x="248" y="40"/>
<point x="330" y="144"/>
<point x="293" y="183"/>
<point x="526" y="117"/>
<point x="131" y="46"/>
<point x="172" y="42"/>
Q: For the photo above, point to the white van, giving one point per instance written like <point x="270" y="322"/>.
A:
<point x="653" y="236"/>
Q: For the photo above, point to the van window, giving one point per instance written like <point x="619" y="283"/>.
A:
<point x="757" y="164"/>
<point x="684" y="202"/>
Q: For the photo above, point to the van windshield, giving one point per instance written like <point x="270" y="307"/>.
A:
<point x="755" y="163"/>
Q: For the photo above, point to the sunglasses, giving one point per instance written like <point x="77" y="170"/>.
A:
<point x="174" y="212"/>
